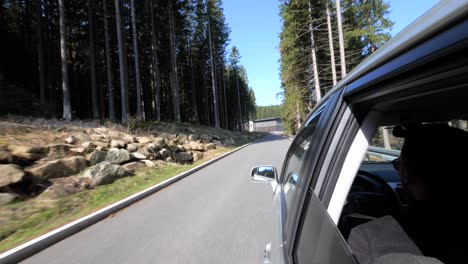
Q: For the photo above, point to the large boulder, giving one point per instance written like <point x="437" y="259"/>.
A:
<point x="71" y="139"/>
<point x="88" y="145"/>
<point x="118" y="156"/>
<point x="104" y="173"/>
<point x="160" y="142"/>
<point x="149" y="163"/>
<point x="209" y="146"/>
<point x="101" y="145"/>
<point x="132" y="147"/>
<point x="132" y="166"/>
<point x="58" y="168"/>
<point x="117" y="143"/>
<point x="26" y="154"/>
<point x="129" y="139"/>
<point x="193" y="137"/>
<point x="96" y="157"/>
<point x="197" y="156"/>
<point x="139" y="156"/>
<point x="6" y="198"/>
<point x="61" y="187"/>
<point x="182" y="137"/>
<point x="183" y="157"/>
<point x="143" y="140"/>
<point x="205" y="138"/>
<point x="59" y="150"/>
<point x="10" y="174"/>
<point x="5" y="156"/>
<point x="196" y="146"/>
<point x="164" y="153"/>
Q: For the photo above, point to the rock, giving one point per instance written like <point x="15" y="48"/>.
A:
<point x="138" y="155"/>
<point x="197" y="156"/>
<point x="149" y="163"/>
<point x="117" y="143"/>
<point x="104" y="173"/>
<point x="59" y="150"/>
<point x="219" y="143"/>
<point x="196" y="146"/>
<point x="181" y="148"/>
<point x="182" y="137"/>
<point x="183" y="157"/>
<point x="160" y="142"/>
<point x="58" y="168"/>
<point x="88" y="145"/>
<point x="96" y="137"/>
<point x="101" y="145"/>
<point x="71" y="139"/>
<point x="78" y="150"/>
<point x="229" y="141"/>
<point x="101" y="130"/>
<point x="113" y="134"/>
<point x="118" y="156"/>
<point x="132" y="147"/>
<point x="210" y="146"/>
<point x="169" y="159"/>
<point x="96" y="157"/>
<point x="6" y="198"/>
<point x="129" y="139"/>
<point x="5" y="156"/>
<point x="187" y="146"/>
<point x="193" y="137"/>
<point x="172" y="147"/>
<point x="26" y="154"/>
<point x="175" y="141"/>
<point x="164" y="153"/>
<point x="205" y="138"/>
<point x="132" y="166"/>
<point x="62" y="187"/>
<point x="144" y="140"/>
<point x="10" y="174"/>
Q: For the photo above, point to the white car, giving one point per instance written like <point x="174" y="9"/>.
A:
<point x="328" y="185"/>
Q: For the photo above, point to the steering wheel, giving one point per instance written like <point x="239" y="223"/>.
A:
<point x="370" y="197"/>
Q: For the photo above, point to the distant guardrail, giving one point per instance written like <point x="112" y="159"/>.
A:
<point x="383" y="153"/>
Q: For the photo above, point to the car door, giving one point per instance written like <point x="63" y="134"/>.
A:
<point x="303" y="151"/>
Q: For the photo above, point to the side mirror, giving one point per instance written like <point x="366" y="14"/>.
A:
<point x="263" y="174"/>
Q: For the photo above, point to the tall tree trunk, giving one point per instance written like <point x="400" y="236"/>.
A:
<point x="330" y="40"/>
<point x="213" y="77"/>
<point x="174" y="77"/>
<point x="63" y="52"/>
<point x="157" y="78"/>
<point x="238" y="100"/>
<point x="318" y="94"/>
<point x="137" y="64"/>
<point x="110" y="77"/>
<point x="92" y="61"/>
<point x="223" y="79"/>
<point x="123" y="75"/>
<point x="192" y="88"/>
<point x="40" y="52"/>
<point x="341" y="40"/>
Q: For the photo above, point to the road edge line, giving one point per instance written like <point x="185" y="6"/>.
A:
<point x="42" y="242"/>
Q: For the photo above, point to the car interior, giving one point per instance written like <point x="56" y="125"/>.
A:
<point x="377" y="189"/>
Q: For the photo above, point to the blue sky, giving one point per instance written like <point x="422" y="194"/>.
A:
<point x="255" y="27"/>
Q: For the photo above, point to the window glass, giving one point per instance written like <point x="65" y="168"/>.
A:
<point x="296" y="157"/>
<point x="319" y="239"/>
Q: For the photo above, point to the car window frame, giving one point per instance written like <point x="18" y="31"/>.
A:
<point x="328" y="108"/>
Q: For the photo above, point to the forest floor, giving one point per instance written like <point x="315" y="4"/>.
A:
<point x="54" y="172"/>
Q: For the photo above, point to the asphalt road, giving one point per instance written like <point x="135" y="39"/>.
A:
<point x="216" y="215"/>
